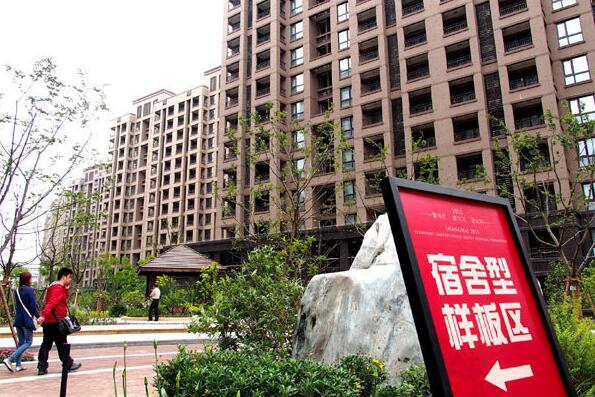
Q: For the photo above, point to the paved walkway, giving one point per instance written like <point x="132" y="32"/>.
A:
<point x="95" y="377"/>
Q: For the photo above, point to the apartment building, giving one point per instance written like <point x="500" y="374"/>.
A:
<point x="399" y="72"/>
<point x="66" y="236"/>
<point x="164" y="162"/>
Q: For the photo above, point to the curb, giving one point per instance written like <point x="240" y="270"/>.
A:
<point x="110" y="332"/>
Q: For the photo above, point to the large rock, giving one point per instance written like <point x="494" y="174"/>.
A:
<point x="361" y="311"/>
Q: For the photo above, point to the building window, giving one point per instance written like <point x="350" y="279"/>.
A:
<point x="296" y="30"/>
<point x="583" y="108"/>
<point x="297" y="56"/>
<point x="344" y="41"/>
<point x="588" y="189"/>
<point x="347" y="127"/>
<point x="348" y="159"/>
<point x="559" y="4"/>
<point x="298" y="168"/>
<point x="299" y="140"/>
<point x="345" y="68"/>
<point x="345" y="97"/>
<point x="586" y="152"/>
<point x="576" y="70"/>
<point x="297" y="84"/>
<point x="295" y="6"/>
<point x="569" y="32"/>
<point x="350" y="219"/>
<point x="297" y="110"/>
<point x="342" y="12"/>
<point x="348" y="191"/>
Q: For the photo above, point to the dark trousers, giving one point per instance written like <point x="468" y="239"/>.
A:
<point x="51" y="335"/>
<point x="154" y="309"/>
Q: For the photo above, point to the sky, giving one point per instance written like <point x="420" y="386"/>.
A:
<point x="130" y="47"/>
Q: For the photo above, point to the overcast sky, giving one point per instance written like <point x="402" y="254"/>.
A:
<point x="133" y="47"/>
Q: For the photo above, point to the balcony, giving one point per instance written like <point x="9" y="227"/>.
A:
<point x="511" y="7"/>
<point x="465" y="127"/>
<point x="233" y="24"/>
<point x="372" y="114"/>
<point x="414" y="39"/>
<point x="517" y="37"/>
<point x="522" y="75"/>
<point x="423" y="136"/>
<point x="233" y="72"/>
<point x="418" y="67"/>
<point x="461" y="91"/>
<point x="366" y="20"/>
<point x="470" y="167"/>
<point x="410" y="7"/>
<point x="370" y="81"/>
<point x="454" y="21"/>
<point x="453" y="27"/>
<point x="263" y="35"/>
<point x="368" y="50"/>
<point x="420" y="101"/>
<point x="263" y="60"/>
<point x="373" y="148"/>
<point x="233" y="48"/>
<point x="528" y="114"/>
<point x="232" y="4"/>
<point x="458" y="55"/>
<point x="263" y="9"/>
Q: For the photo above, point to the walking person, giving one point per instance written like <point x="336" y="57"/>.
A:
<point x="56" y="308"/>
<point x="25" y="321"/>
<point x="154" y="308"/>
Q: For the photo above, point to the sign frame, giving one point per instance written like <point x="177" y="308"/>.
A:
<point x="420" y="307"/>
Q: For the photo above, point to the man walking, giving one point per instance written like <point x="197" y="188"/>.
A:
<point x="154" y="308"/>
<point x="56" y="308"/>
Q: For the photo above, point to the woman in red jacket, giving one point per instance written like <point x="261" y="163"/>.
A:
<point x="56" y="308"/>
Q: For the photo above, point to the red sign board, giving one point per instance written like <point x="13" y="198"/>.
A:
<point x="480" y="317"/>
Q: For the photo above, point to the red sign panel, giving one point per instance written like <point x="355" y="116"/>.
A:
<point x="491" y="335"/>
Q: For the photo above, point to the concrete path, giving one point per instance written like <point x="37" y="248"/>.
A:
<point x="95" y="377"/>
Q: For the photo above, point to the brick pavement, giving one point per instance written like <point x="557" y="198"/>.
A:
<point x="95" y="377"/>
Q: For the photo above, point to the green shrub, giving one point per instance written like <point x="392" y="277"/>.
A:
<point x="577" y="341"/>
<point x="118" y="310"/>
<point x="176" y="301"/>
<point x="6" y="352"/>
<point x="133" y="299"/>
<point x="137" y="312"/>
<point x="369" y="372"/>
<point x="225" y="373"/>
<point x="256" y="308"/>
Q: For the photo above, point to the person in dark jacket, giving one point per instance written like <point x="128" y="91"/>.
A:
<point x="24" y="298"/>
<point x="56" y="308"/>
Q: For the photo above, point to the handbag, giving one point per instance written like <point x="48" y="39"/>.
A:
<point x="33" y="318"/>
<point x="69" y="324"/>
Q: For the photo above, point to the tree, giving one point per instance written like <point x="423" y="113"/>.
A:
<point x="36" y="153"/>
<point x="555" y="195"/>
<point x="288" y="155"/>
<point x="35" y="150"/>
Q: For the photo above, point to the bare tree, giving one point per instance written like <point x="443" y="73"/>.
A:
<point x="37" y="152"/>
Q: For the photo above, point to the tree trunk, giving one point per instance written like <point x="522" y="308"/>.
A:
<point x="7" y="310"/>
<point x="76" y="294"/>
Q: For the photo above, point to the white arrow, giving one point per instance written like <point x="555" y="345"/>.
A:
<point x="499" y="376"/>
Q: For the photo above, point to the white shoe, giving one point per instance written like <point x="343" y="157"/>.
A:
<point x="19" y="369"/>
<point x="8" y="364"/>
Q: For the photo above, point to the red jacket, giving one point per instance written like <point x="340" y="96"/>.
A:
<point x="56" y="303"/>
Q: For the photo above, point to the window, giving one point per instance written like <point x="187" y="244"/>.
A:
<point x="345" y="68"/>
<point x="342" y="12"/>
<point x="350" y="219"/>
<point x="213" y="83"/>
<point x="297" y="56"/>
<point x="586" y="152"/>
<point x="296" y="30"/>
<point x="588" y="189"/>
<point x="298" y="139"/>
<point x="302" y="199"/>
<point x="295" y="6"/>
<point x="569" y="32"/>
<point x="297" y="83"/>
<point x="348" y="159"/>
<point x="347" y="126"/>
<point x="583" y="108"/>
<point x="298" y="167"/>
<point x="344" y="39"/>
<point x="212" y="100"/>
<point x="346" y="97"/>
<point x="576" y="70"/>
<point x="297" y="110"/>
<point x="559" y="4"/>
<point x="348" y="191"/>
